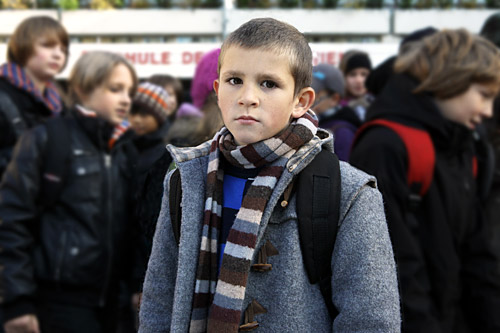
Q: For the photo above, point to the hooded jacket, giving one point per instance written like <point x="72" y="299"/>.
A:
<point x="73" y="250"/>
<point x="448" y="273"/>
<point x="364" y="278"/>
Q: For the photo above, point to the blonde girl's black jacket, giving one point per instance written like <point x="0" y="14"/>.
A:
<point x="75" y="250"/>
<point x="448" y="273"/>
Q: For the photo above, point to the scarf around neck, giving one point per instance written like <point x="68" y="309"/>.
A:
<point x="118" y="130"/>
<point x="17" y="76"/>
<point x="218" y="300"/>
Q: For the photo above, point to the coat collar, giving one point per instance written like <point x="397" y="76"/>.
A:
<point x="298" y="161"/>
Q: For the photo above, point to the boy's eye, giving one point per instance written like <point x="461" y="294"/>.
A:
<point x="115" y="89"/>
<point x="269" y="84"/>
<point x="487" y="95"/>
<point x="234" y="80"/>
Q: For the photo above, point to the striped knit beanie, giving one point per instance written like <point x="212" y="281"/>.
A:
<point x="151" y="99"/>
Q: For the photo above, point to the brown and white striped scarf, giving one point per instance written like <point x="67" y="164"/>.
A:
<point x="218" y="301"/>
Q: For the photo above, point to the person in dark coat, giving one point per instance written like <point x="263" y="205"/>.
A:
<point x="61" y="263"/>
<point x="449" y="275"/>
<point x="37" y="51"/>
<point x="342" y="121"/>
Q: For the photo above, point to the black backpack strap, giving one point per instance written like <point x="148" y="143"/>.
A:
<point x="175" y="195"/>
<point x="318" y="211"/>
<point x="56" y="160"/>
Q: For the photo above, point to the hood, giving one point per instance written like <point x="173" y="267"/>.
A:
<point x="397" y="102"/>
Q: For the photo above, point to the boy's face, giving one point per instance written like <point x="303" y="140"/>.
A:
<point x="47" y="60"/>
<point x="112" y="99"/>
<point x="355" y="81"/>
<point x="143" y="123"/>
<point x="255" y="91"/>
<point x="471" y="107"/>
<point x="172" y="100"/>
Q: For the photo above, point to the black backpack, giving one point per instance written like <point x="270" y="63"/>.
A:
<point x="318" y="208"/>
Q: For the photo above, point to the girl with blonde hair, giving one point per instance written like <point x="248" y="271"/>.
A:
<point x="63" y="256"/>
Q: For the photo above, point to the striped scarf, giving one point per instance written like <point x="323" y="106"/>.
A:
<point x="218" y="301"/>
<point x="16" y="75"/>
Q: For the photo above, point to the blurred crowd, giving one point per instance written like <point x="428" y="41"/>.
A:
<point x="83" y="171"/>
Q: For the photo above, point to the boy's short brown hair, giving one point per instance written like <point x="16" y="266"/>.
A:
<point x="448" y="62"/>
<point x="272" y="35"/>
<point x="92" y="70"/>
<point x="22" y="41"/>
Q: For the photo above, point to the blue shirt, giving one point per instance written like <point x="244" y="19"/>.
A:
<point x="235" y="185"/>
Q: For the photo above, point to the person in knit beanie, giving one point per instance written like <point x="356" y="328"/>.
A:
<point x="201" y="85"/>
<point x="149" y="109"/>
<point x="356" y="66"/>
<point x="151" y="124"/>
<point x="204" y="77"/>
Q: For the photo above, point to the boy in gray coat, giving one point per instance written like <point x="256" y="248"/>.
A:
<point x="231" y="211"/>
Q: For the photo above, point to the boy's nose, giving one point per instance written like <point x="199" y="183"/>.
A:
<point x="126" y="99"/>
<point x="488" y="110"/>
<point x="248" y="96"/>
<point x="58" y="52"/>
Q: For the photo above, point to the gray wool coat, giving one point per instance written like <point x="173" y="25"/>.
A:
<point x="364" y="282"/>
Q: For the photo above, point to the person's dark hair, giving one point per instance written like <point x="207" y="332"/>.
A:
<point x="22" y="42"/>
<point x="275" y="36"/>
<point x="164" y="80"/>
<point x="491" y="29"/>
<point x="353" y="59"/>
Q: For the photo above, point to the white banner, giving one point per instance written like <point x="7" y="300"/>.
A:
<point x="180" y="60"/>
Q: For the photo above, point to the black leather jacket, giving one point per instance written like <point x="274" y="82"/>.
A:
<point x="31" y="111"/>
<point x="74" y="250"/>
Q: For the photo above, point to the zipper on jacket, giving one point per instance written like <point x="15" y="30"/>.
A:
<point x="108" y="206"/>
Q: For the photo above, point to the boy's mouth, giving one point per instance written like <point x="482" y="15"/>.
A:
<point x="121" y="113"/>
<point x="54" y="66"/>
<point x="247" y="118"/>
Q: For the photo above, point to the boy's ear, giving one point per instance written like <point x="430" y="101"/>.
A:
<point x="216" y="87"/>
<point x="305" y="100"/>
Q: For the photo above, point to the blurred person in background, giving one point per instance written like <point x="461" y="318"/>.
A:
<point x="36" y="53"/>
<point x="149" y="121"/>
<point x="342" y="121"/>
<point x="491" y="31"/>
<point x="356" y="66"/>
<point x="67" y="238"/>
<point x="194" y="124"/>
<point x="379" y="75"/>
<point x="173" y="87"/>
<point x="443" y="87"/>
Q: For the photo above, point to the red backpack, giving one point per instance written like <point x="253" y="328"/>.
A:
<point x="420" y="150"/>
